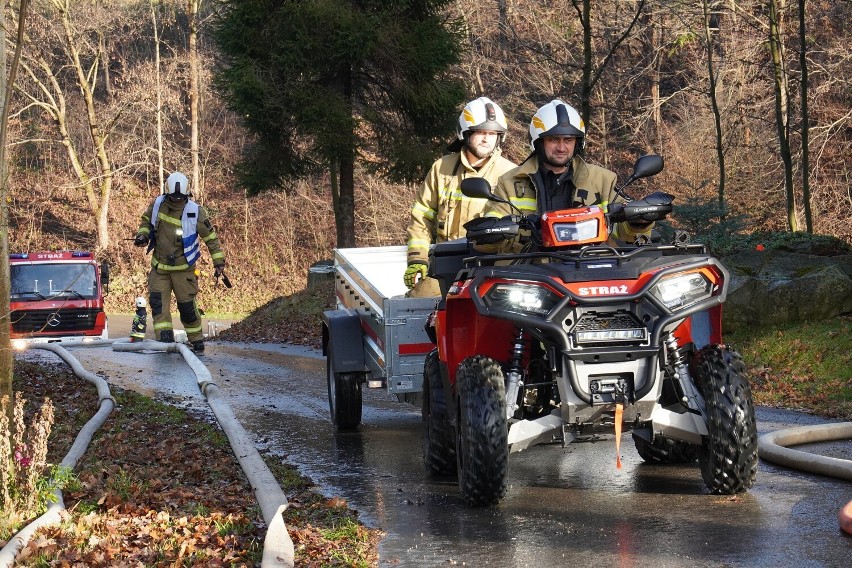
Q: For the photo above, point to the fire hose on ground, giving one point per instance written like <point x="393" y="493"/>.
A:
<point x="278" y="550"/>
<point x="773" y="447"/>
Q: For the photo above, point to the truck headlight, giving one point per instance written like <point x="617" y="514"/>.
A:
<point x="681" y="290"/>
<point x="526" y="298"/>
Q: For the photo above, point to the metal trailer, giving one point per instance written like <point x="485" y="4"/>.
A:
<point x="376" y="337"/>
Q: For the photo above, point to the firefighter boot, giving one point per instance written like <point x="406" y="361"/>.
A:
<point x="198" y="346"/>
<point x="167" y="336"/>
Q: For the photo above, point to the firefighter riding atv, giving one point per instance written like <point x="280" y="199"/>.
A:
<point x="576" y="336"/>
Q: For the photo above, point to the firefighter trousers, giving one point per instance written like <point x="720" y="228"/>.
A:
<point x="184" y="284"/>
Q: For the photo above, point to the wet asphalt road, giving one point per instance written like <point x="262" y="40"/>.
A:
<point x="565" y="506"/>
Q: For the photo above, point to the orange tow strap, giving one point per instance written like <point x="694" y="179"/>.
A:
<point x="619" y="412"/>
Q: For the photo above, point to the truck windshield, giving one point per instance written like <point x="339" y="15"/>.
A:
<point x="31" y="282"/>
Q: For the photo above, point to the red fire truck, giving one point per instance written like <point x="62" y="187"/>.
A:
<point x="57" y="297"/>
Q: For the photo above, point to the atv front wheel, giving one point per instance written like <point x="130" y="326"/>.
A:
<point x="344" y="396"/>
<point x="664" y="450"/>
<point x="482" y="447"/>
<point x="439" y="447"/>
<point x="728" y="455"/>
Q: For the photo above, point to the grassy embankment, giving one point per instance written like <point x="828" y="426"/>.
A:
<point x="159" y="487"/>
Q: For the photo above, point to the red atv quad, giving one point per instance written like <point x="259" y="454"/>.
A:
<point x="577" y="336"/>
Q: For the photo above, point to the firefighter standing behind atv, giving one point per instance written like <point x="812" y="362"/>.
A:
<point x="440" y="210"/>
<point x="555" y="176"/>
<point x="173" y="226"/>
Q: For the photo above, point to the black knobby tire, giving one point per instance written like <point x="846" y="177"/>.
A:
<point x="482" y="447"/>
<point x="728" y="455"/>
<point x="665" y="450"/>
<point x="344" y="396"/>
<point x="439" y="446"/>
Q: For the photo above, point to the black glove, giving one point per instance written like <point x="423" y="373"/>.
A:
<point x="218" y="271"/>
<point x="140" y="240"/>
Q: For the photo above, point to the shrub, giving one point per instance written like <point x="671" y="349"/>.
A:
<point x="27" y="481"/>
<point x="725" y="234"/>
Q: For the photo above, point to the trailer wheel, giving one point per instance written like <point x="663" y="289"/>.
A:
<point x="482" y="447"/>
<point x="728" y="455"/>
<point x="665" y="450"/>
<point x="439" y="446"/>
<point x="344" y="396"/>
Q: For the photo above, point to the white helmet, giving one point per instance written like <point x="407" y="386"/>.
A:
<point x="557" y="118"/>
<point x="482" y="114"/>
<point x="140" y="302"/>
<point x="177" y="183"/>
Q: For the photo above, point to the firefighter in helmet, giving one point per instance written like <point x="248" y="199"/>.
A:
<point x="440" y="210"/>
<point x="555" y="176"/>
<point x="174" y="226"/>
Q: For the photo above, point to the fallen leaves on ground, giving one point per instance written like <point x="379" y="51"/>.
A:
<point x="158" y="487"/>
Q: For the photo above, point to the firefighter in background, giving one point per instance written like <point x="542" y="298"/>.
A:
<point x="140" y="321"/>
<point x="440" y="210"/>
<point x="173" y="227"/>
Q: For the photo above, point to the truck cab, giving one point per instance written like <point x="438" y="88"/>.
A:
<point x="57" y="297"/>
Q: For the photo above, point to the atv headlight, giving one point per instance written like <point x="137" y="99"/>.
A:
<point x="681" y="290"/>
<point x="526" y="298"/>
<point x="580" y="231"/>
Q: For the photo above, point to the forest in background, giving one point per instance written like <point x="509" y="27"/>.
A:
<point x="641" y="69"/>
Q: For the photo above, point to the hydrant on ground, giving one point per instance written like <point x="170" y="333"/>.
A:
<point x="140" y="321"/>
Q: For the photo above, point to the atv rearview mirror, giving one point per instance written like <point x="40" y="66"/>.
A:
<point x="646" y="166"/>
<point x="479" y="188"/>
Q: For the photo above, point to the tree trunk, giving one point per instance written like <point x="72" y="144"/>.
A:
<point x="6" y="85"/>
<point x="503" y="25"/>
<point x="6" y="359"/>
<point x="192" y="8"/>
<point x="714" y="105"/>
<point x="161" y="167"/>
<point x="586" y="88"/>
<point x="782" y="112"/>
<point x="96" y="132"/>
<point x="806" y="173"/>
<point x="344" y="204"/>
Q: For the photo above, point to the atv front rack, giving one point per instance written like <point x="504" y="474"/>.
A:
<point x="586" y="254"/>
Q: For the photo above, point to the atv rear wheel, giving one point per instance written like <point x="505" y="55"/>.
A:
<point x="728" y="455"/>
<point x="439" y="446"/>
<point x="482" y="447"/>
<point x="344" y="396"/>
<point x="665" y="450"/>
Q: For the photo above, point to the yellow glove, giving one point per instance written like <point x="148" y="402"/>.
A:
<point x="416" y="271"/>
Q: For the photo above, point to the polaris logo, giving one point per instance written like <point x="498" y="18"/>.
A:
<point x="499" y="230"/>
<point x="603" y="290"/>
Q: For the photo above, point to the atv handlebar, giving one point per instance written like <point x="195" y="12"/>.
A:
<point x="654" y="207"/>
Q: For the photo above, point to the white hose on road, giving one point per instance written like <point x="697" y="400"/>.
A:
<point x="278" y="547"/>
<point x="105" y="405"/>
<point x="773" y="447"/>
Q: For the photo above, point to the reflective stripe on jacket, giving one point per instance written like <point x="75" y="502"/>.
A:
<point x="440" y="210"/>
<point x="189" y="226"/>
<point x="178" y="228"/>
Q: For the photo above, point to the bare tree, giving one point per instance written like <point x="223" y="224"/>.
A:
<point x="777" y="9"/>
<point x="711" y="24"/>
<point x="6" y="86"/>
<point x="95" y="173"/>
<point x="160" y="166"/>
<point x="192" y="8"/>
<point x="806" y="169"/>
